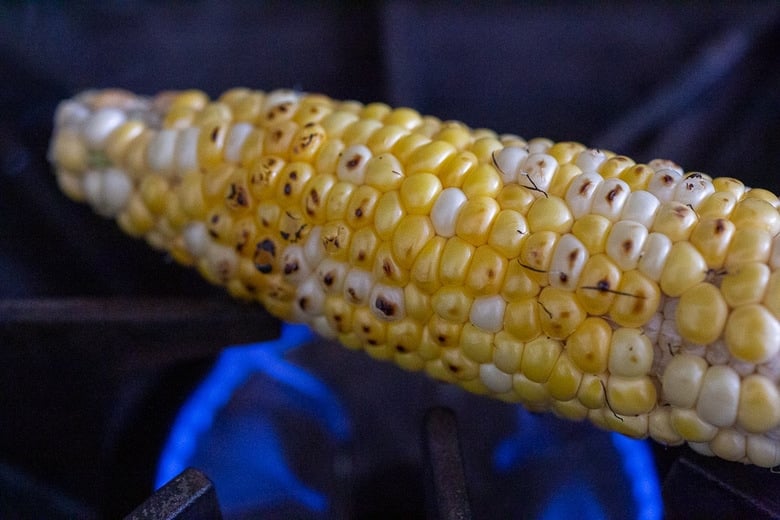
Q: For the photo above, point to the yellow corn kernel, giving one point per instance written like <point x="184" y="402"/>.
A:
<point x="572" y="410"/>
<point x="388" y="213"/>
<point x="729" y="444"/>
<point x="429" y="157"/>
<point x="690" y="426"/>
<point x="328" y="156"/>
<point x="753" y="212"/>
<point x="660" y="427"/>
<point x="360" y="131"/>
<point x="508" y="352"/>
<point x="759" y="404"/>
<point x="362" y="205"/>
<point x="536" y="255"/>
<point x="752" y="333"/>
<point x="598" y="284"/>
<point x="592" y="391"/>
<point x="539" y="357"/>
<point x="507" y="233"/>
<point x="484" y="147"/>
<point x="675" y="220"/>
<point x="153" y="191"/>
<point x="404" y="335"/>
<point x="630" y="353"/>
<point x="717" y="205"/>
<point x="425" y="271"/>
<point x="486" y="271"/>
<point x="517" y="284"/>
<point x="560" y="312"/>
<point x="684" y="268"/>
<point x="521" y="319"/>
<point x="632" y="426"/>
<point x="387" y="268"/>
<point x="532" y="394"/>
<point x="592" y="230"/>
<point x="453" y="172"/>
<point x="211" y="141"/>
<point x="564" y="380"/>
<point x="116" y="145"/>
<point x="456" y="134"/>
<point x="407" y="145"/>
<point x="549" y="214"/>
<point x="701" y="314"/>
<point x="712" y="238"/>
<point x="409" y="237"/>
<point x="452" y="303"/>
<point x="336" y="236"/>
<point x="278" y="139"/>
<point x="630" y="395"/>
<point x="515" y="197"/>
<point x="589" y="345"/>
<point x="475" y="219"/>
<point x="636" y="301"/>
<point x="384" y="139"/>
<point x="306" y="142"/>
<point x="419" y="191"/>
<point x="262" y="176"/>
<point x="482" y="181"/>
<point x="637" y="176"/>
<point x="417" y="303"/>
<point x="563" y="177"/>
<point x="752" y="244"/>
<point x="745" y="283"/>
<point x="476" y="344"/>
<point x="369" y="329"/>
<point x="566" y="151"/>
<point x="455" y="260"/>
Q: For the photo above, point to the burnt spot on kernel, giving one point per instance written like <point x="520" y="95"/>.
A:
<point x="265" y="252"/>
<point x="354" y="162"/>
<point x="385" y="306"/>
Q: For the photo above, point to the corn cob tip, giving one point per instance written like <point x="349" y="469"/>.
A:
<point x="638" y="296"/>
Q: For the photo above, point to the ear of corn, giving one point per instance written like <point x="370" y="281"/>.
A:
<point x="641" y="297"/>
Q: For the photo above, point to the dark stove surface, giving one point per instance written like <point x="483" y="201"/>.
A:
<point x="102" y="340"/>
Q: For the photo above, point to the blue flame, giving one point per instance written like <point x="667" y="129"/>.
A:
<point x="585" y="488"/>
<point x="269" y="478"/>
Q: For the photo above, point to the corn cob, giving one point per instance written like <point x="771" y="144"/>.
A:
<point x="637" y="296"/>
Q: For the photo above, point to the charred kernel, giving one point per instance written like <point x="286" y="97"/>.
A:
<point x="561" y="312"/>
<point x="362" y="205"/>
<point x="536" y="255"/>
<point x="712" y="238"/>
<point x="486" y="271"/>
<point x="636" y="300"/>
<point x="599" y="284"/>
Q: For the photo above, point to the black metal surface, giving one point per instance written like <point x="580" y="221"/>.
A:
<point x="448" y="494"/>
<point x="188" y="496"/>
<point x="717" y="492"/>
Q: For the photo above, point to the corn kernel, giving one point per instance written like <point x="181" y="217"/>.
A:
<point x="759" y="404"/>
<point x="589" y="345"/>
<point x="475" y="219"/>
<point x="455" y="261"/>
<point x="630" y="395"/>
<point x="521" y="319"/>
<point x="592" y="230"/>
<point x="482" y="181"/>
<point x="419" y="192"/>
<point x="752" y="333"/>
